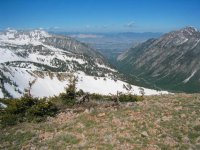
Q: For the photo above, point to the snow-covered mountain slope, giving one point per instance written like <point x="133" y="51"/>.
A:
<point x="48" y="61"/>
<point x="52" y="83"/>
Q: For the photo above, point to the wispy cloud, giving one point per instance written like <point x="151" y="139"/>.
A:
<point x="130" y="24"/>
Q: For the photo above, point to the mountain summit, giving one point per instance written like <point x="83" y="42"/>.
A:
<point x="181" y="36"/>
<point x="170" y="62"/>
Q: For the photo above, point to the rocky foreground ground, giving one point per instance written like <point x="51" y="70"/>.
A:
<point x="158" y="122"/>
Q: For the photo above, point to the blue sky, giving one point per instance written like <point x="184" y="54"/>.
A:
<point x="100" y="15"/>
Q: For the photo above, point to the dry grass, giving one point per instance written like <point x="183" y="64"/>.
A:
<point x="158" y="122"/>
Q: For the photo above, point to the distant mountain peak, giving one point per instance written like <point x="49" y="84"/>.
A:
<point x="186" y="32"/>
<point x="39" y="33"/>
<point x="23" y="36"/>
<point x="179" y="37"/>
<point x="190" y="29"/>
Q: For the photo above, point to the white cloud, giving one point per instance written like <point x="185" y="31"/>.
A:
<point x="130" y="24"/>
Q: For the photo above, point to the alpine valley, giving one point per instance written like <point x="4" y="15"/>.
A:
<point x="47" y="61"/>
<point x="170" y="62"/>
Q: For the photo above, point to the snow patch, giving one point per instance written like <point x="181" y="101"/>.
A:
<point x="11" y="90"/>
<point x="106" y="86"/>
<point x="187" y="79"/>
<point x="197" y="42"/>
<point x="2" y="105"/>
<point x="1" y="94"/>
<point x="106" y="67"/>
<point x="55" y="49"/>
<point x="45" y="87"/>
<point x="8" y="55"/>
<point x="80" y="61"/>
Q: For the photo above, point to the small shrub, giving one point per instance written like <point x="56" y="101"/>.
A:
<point x="22" y="105"/>
<point x="8" y="119"/>
<point x="69" y="97"/>
<point x="42" y="109"/>
<point x="96" y="96"/>
<point x="80" y="93"/>
<point x="57" y="102"/>
<point x="129" y="98"/>
<point x="66" y="100"/>
<point x="26" y="108"/>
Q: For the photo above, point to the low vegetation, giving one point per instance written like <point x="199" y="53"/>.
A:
<point x="157" y="122"/>
<point x="26" y="108"/>
<point x="32" y="109"/>
<point x="130" y="98"/>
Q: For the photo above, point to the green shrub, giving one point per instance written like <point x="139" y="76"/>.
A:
<point x="130" y="98"/>
<point x="69" y="97"/>
<point x="80" y="93"/>
<point x="70" y="92"/>
<point x="122" y="97"/>
<point x="57" y="102"/>
<point x="22" y="105"/>
<point x="26" y="108"/>
<point x="96" y="96"/>
<point x="66" y="100"/>
<point x="8" y="119"/>
<point x="42" y="109"/>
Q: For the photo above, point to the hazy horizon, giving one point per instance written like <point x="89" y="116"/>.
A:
<point x="100" y="15"/>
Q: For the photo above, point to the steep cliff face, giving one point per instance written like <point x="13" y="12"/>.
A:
<point x="170" y="62"/>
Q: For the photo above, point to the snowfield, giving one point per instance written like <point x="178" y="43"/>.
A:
<point x="8" y="55"/>
<point x="105" y="86"/>
<point x="46" y="86"/>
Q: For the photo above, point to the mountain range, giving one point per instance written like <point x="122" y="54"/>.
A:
<point x="170" y="62"/>
<point x="111" y="44"/>
<point x="47" y="62"/>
